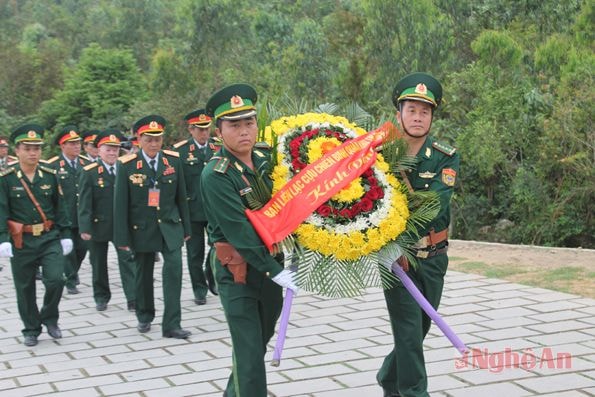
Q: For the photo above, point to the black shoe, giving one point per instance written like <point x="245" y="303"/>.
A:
<point x="72" y="290"/>
<point x="131" y="306"/>
<point x="200" y="301"/>
<point x="54" y="331"/>
<point x="101" y="307"/>
<point x="143" y="327"/>
<point x="177" y="333"/>
<point x="30" y="340"/>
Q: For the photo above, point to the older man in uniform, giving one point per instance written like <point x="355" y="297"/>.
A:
<point x="194" y="154"/>
<point x="68" y="166"/>
<point x="403" y="372"/>
<point x="91" y="151"/>
<point x="5" y="158"/>
<point x="151" y="215"/>
<point x="248" y="277"/>
<point x="34" y="230"/>
<point x="96" y="220"/>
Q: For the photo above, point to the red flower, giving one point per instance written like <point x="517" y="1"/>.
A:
<point x="372" y="181"/>
<point x="346" y="213"/>
<point x="366" y="204"/>
<point x="324" y="210"/>
<point x="375" y="193"/>
<point x="368" y="173"/>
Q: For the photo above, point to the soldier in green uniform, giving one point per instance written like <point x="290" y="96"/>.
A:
<point x="403" y="372"/>
<point x="91" y="151"/>
<point x="151" y="215"/>
<point x="34" y="230"/>
<point x="68" y="166"/>
<point x="248" y="277"/>
<point x="5" y="158"/>
<point x="195" y="152"/>
<point x="96" y="215"/>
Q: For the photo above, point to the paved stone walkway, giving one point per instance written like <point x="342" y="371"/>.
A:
<point x="532" y="342"/>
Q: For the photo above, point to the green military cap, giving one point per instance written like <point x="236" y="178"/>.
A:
<point x="89" y="136"/>
<point x="418" y="87"/>
<point x="110" y="137"/>
<point x="68" y="133"/>
<point x="30" y="134"/>
<point x="198" y="118"/>
<point x="153" y="125"/>
<point x="233" y="102"/>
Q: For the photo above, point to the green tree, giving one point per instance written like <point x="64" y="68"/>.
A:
<point x="98" y="91"/>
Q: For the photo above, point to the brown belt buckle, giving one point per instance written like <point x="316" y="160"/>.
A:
<point x="37" y="229"/>
<point x="422" y="254"/>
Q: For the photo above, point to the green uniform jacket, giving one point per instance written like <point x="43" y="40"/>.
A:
<point x="96" y="202"/>
<point x="15" y="203"/>
<point x="436" y="170"/>
<point x="136" y="224"/>
<point x="223" y="189"/>
<point x="193" y="162"/>
<point x="69" y="181"/>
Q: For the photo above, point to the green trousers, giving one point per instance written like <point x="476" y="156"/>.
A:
<point x="172" y="287"/>
<point x="101" y="289"/>
<point x="44" y="251"/>
<point x="403" y="369"/>
<point x="195" y="250"/>
<point x="75" y="258"/>
<point x="251" y="311"/>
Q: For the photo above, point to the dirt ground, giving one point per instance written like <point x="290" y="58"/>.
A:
<point x="569" y="270"/>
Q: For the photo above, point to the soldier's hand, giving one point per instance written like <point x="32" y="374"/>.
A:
<point x="125" y="248"/>
<point x="86" y="236"/>
<point x="403" y="262"/>
<point x="286" y="280"/>
<point x="187" y="238"/>
<point x="66" y="246"/>
<point x="6" y="250"/>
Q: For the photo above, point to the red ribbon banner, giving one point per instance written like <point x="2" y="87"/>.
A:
<point x="314" y="185"/>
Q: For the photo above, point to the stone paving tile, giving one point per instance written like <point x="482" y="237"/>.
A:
<point x="88" y="382"/>
<point x="555" y="383"/>
<point x="498" y="389"/>
<point x="50" y="377"/>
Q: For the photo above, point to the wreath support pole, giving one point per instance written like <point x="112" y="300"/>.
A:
<point x="427" y="307"/>
<point x="282" y="327"/>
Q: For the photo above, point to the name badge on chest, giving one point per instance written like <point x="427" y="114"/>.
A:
<point x="153" y="198"/>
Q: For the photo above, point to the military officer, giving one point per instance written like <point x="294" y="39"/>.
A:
<point x="91" y="151"/>
<point x="34" y="230"/>
<point x="68" y="166"/>
<point x="5" y="158"/>
<point x="249" y="279"/>
<point x="95" y="217"/>
<point x="151" y="215"/>
<point x="194" y="154"/>
<point x="403" y="372"/>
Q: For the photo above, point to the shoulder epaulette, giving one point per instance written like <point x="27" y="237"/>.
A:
<point x="262" y="145"/>
<point x="90" y="166"/>
<point x="171" y="153"/>
<point x="222" y="164"/>
<point x="50" y="161"/>
<point x="82" y="156"/>
<point x="12" y="162"/>
<point x="6" y="171"/>
<point x="179" y="144"/>
<point x="13" y="158"/>
<point x="42" y="161"/>
<point x="444" y="148"/>
<point x="46" y="169"/>
<point x="127" y="157"/>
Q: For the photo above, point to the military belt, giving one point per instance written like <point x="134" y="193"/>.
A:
<point x="424" y="254"/>
<point x="39" y="228"/>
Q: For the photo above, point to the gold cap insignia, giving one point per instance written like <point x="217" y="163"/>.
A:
<point x="72" y="133"/>
<point x="31" y="134"/>
<point x="112" y="138"/>
<point x="202" y="117"/>
<point x="153" y="124"/>
<point x="421" y="89"/>
<point x="236" y="101"/>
